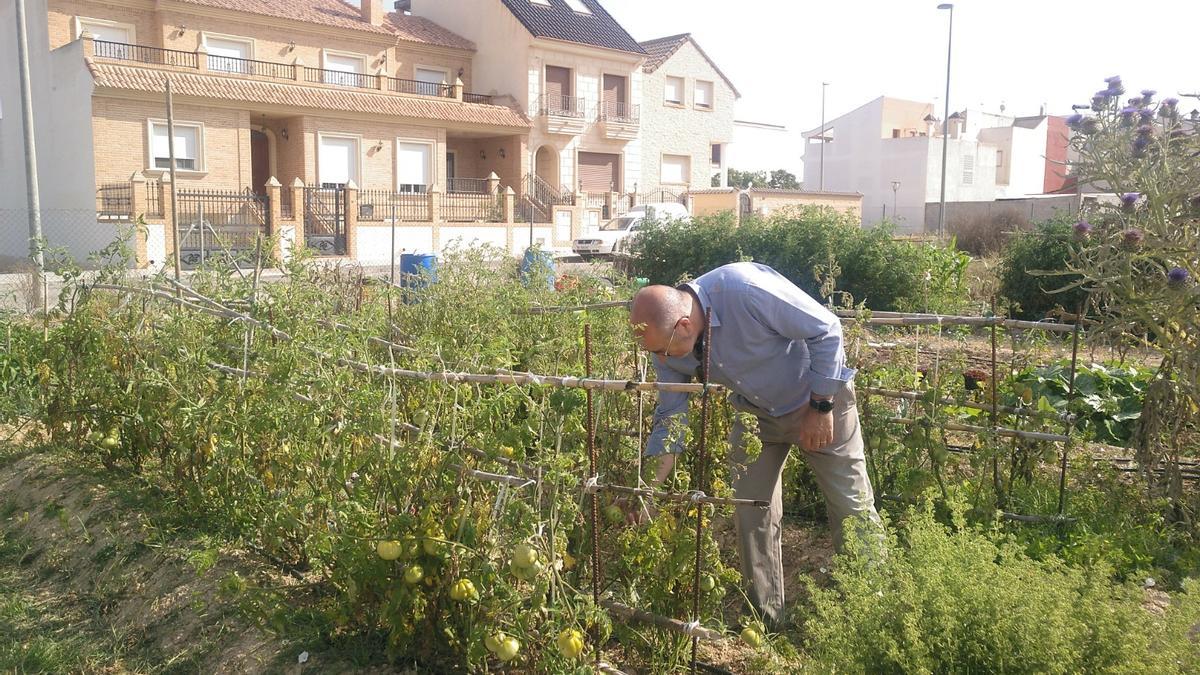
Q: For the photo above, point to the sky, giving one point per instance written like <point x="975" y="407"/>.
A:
<point x="1020" y="53"/>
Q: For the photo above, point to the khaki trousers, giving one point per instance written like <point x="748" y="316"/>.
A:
<point x="841" y="472"/>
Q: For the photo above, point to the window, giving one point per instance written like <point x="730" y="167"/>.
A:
<point x="229" y="54"/>
<point x="189" y="137"/>
<point x="676" y="169"/>
<point x="351" y="64"/>
<point x="413" y="166"/>
<point x="968" y="164"/>
<point x="999" y="158"/>
<point x="703" y="95"/>
<point x="106" y="31"/>
<point x="578" y="6"/>
<point x="431" y="80"/>
<point x="674" y="91"/>
<point x="540" y="2"/>
<point x="716" y="153"/>
<point x="337" y="160"/>
<point x="895" y="133"/>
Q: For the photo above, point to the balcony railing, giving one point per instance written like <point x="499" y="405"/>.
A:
<point x="341" y="78"/>
<point x="142" y="54"/>
<point x="619" y="111"/>
<point x="474" y="186"/>
<point x="385" y="206"/>
<point x="563" y="106"/>
<point x="114" y="201"/>
<point x="231" y="64"/>
<point x="120" y="51"/>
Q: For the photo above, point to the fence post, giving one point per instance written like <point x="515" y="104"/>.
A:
<point x="381" y="80"/>
<point x="351" y="193"/>
<point x="298" y="70"/>
<point x="493" y="183"/>
<point x="510" y="204"/>
<point x="202" y="58"/>
<point x="274" y="214"/>
<point x="169" y="229"/>
<point x="137" y="206"/>
<point x="610" y="200"/>
<point x="578" y="214"/>
<point x="458" y="89"/>
<point x="633" y="198"/>
<point x="89" y="47"/>
<point x="298" y="213"/>
<point x="435" y="204"/>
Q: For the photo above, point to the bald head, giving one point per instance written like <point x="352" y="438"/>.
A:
<point x="665" y="319"/>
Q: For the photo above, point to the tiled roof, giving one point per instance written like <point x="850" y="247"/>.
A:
<point x="342" y="15"/>
<point x="712" y="191"/>
<point x="661" y="49"/>
<point x="112" y="76"/>
<point x="803" y="193"/>
<point x="559" y="22"/>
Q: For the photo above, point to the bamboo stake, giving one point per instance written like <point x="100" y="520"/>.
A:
<point x="695" y="497"/>
<point x="538" y="309"/>
<point x="999" y="431"/>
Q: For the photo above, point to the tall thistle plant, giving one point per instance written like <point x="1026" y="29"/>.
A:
<point x="1139" y="257"/>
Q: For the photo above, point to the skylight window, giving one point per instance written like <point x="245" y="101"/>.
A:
<point x="540" y="2"/>
<point x="578" y="6"/>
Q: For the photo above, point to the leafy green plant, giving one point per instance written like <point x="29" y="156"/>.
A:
<point x="1032" y="267"/>
<point x="1108" y="399"/>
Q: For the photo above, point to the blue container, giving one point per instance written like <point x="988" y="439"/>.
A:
<point x="538" y="264"/>
<point x="417" y="270"/>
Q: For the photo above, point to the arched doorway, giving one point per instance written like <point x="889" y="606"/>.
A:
<point x="546" y="166"/>
<point x="260" y="161"/>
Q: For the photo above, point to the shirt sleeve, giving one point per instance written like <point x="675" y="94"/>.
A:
<point x="794" y="314"/>
<point x="670" y="415"/>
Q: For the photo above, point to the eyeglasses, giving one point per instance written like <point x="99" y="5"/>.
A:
<point x="665" y="351"/>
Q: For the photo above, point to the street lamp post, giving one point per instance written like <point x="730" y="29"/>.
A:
<point x="895" y="189"/>
<point x="946" y="123"/>
<point x="821" y="180"/>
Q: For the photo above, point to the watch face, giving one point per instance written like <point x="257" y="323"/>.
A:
<point x="823" y="406"/>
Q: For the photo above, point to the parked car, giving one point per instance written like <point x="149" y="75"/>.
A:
<point x="613" y="236"/>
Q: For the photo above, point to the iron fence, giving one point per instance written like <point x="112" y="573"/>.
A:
<point x="325" y="220"/>
<point x="562" y="106"/>
<point x="154" y="205"/>
<point x="220" y="225"/>
<point x="472" y="208"/>
<point x="142" y="54"/>
<point x="661" y="195"/>
<point x="619" y="111"/>
<point x="386" y="206"/>
<point x="420" y="88"/>
<point x="286" y="206"/>
<point x="114" y="201"/>
<point x="231" y="64"/>
<point x="341" y="78"/>
<point x="468" y="185"/>
<point x="485" y="99"/>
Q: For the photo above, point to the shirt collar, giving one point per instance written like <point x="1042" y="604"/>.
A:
<point x="705" y="304"/>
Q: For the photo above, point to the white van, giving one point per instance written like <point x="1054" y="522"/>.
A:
<point x="612" y="237"/>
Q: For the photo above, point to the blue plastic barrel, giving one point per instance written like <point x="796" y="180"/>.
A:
<point x="538" y="264"/>
<point x="418" y="269"/>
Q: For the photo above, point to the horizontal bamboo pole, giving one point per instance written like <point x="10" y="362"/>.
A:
<point x="334" y="325"/>
<point x="486" y="476"/>
<point x="914" y="396"/>
<point x="230" y="370"/>
<point x="903" y="319"/>
<point x="548" y="309"/>
<point x="681" y="627"/>
<point x="474" y="452"/>
<point x="699" y="497"/>
<point x="999" y="431"/>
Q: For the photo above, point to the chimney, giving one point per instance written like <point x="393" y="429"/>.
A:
<point x="372" y="11"/>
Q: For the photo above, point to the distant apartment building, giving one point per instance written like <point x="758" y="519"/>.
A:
<point x="890" y="150"/>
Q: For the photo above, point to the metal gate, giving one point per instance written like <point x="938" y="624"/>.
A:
<point x="220" y="225"/>
<point x="325" y="219"/>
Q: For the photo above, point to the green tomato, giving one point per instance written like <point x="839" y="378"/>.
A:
<point x="752" y="637"/>
<point x="492" y="641"/>
<point x="464" y="591"/>
<point x="508" y="648"/>
<point x="614" y="515"/>
<point x="431" y="544"/>
<point x="708" y="582"/>
<point x="413" y="574"/>
<point x="388" y="550"/>
<point x="570" y="643"/>
<point x="524" y="555"/>
<point x="110" y="443"/>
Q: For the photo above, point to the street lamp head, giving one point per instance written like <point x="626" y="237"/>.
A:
<point x="946" y="5"/>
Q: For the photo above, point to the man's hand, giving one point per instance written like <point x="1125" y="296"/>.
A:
<point x="636" y="510"/>
<point x="816" y="431"/>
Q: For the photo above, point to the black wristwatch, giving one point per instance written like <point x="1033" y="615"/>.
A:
<point x="821" y="405"/>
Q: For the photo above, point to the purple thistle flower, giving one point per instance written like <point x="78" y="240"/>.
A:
<point x="1133" y="237"/>
<point x="1167" y="111"/>
<point x="1116" y="89"/>
<point x="1090" y="126"/>
<point x="1177" y="276"/>
<point x="1170" y="101"/>
<point x="1112" y="78"/>
<point x="1074" y="120"/>
<point x="1139" y="146"/>
<point x="1145" y="130"/>
<point x="1146" y="113"/>
<point x="1148" y="95"/>
<point x="1130" y="199"/>
<point x="1082" y="229"/>
<point x="1135" y="102"/>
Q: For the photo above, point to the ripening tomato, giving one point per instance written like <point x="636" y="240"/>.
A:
<point x="570" y="643"/>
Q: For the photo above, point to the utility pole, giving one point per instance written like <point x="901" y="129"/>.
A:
<point x="946" y="122"/>
<point x="821" y="187"/>
<point x="174" y="183"/>
<point x="33" y="195"/>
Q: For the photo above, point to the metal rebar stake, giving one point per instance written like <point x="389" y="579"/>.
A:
<point x="1062" y="471"/>
<point x="701" y="473"/>
<point x="595" y="510"/>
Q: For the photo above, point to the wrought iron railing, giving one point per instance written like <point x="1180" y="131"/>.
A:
<point x="143" y="54"/>
<point x="619" y="111"/>
<point x="325" y="220"/>
<point x="485" y="99"/>
<point x="471" y="208"/>
<point x="341" y="78"/>
<point x="287" y="207"/>
<point x="387" y="206"/>
<point x="114" y="201"/>
<point x="231" y="64"/>
<point x="420" y="88"/>
<point x="154" y="206"/>
<point x="562" y="106"/>
<point x="467" y="185"/>
<point x="661" y="195"/>
<point x="220" y="224"/>
<point x="541" y="191"/>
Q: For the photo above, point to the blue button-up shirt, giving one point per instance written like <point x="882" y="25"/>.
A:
<point x="772" y="343"/>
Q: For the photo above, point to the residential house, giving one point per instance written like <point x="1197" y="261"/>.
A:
<point x="687" y="116"/>
<point x="891" y="151"/>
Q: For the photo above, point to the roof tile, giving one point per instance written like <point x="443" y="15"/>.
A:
<point x="559" y="22"/>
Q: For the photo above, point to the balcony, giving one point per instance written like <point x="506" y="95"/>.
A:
<point x="565" y="115"/>
<point x="227" y="66"/>
<point x="619" y="120"/>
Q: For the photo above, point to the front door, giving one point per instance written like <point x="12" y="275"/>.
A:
<point x="260" y="161"/>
